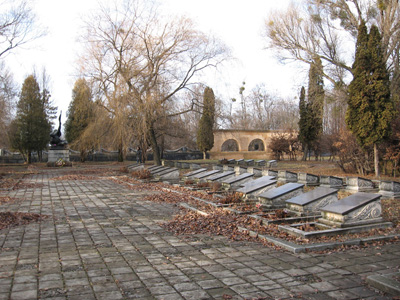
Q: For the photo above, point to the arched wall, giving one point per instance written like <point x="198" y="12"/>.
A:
<point x="243" y="138"/>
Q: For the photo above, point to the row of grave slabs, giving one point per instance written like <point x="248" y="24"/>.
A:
<point x="310" y="215"/>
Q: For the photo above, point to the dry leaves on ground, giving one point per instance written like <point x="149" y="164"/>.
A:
<point x="6" y="199"/>
<point x="9" y="219"/>
<point x="74" y="177"/>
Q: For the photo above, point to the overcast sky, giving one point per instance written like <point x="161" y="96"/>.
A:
<point x="238" y="23"/>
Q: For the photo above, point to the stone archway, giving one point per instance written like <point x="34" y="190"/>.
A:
<point x="244" y="145"/>
<point x="256" y="145"/>
<point x="230" y="145"/>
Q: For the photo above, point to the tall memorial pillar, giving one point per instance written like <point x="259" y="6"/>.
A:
<point x="58" y="153"/>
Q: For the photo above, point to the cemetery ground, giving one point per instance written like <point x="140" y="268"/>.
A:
<point x="93" y="231"/>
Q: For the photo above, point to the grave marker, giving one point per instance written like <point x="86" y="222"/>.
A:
<point x="237" y="180"/>
<point x="240" y="170"/>
<point x="195" y="172"/>
<point x="308" y="179"/>
<point x="389" y="189"/>
<point x="330" y="181"/>
<point x="287" y="176"/>
<point x="276" y="197"/>
<point x="312" y="201"/>
<point x="221" y="176"/>
<point x="203" y="176"/>
<point x="260" y="163"/>
<point x="357" y="209"/>
<point x="359" y="184"/>
<point x="253" y="189"/>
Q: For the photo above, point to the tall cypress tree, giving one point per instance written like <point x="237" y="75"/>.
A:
<point x="304" y="122"/>
<point x="370" y="106"/>
<point x="79" y="115"/>
<point x="311" y="109"/>
<point x="32" y="123"/>
<point x="316" y="95"/>
<point x="205" y="134"/>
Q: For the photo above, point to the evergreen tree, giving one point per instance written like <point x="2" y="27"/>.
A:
<point x="205" y="134"/>
<point x="79" y="115"/>
<point x="316" y="95"/>
<point x="31" y="128"/>
<point x="370" y="106"/>
<point x="304" y="122"/>
<point x="311" y="110"/>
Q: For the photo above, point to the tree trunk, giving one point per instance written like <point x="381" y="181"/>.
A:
<point x="29" y="156"/>
<point x="305" y="152"/>
<point x="154" y="146"/>
<point x="120" y="153"/>
<point x="82" y="155"/>
<point x="204" y="154"/>
<point x="376" y="160"/>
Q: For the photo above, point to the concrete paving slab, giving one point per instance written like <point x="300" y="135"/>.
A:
<point x="105" y="241"/>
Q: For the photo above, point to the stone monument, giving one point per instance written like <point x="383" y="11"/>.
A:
<point x="58" y="154"/>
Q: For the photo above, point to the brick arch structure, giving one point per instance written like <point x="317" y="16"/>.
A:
<point x="244" y="139"/>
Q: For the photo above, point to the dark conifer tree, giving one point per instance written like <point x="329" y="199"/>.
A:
<point x="32" y="124"/>
<point x="370" y="106"/>
<point x="304" y="122"/>
<point x="311" y="109"/>
<point x="79" y="115"/>
<point x="205" y="134"/>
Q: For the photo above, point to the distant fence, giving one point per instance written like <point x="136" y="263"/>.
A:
<point x="109" y="156"/>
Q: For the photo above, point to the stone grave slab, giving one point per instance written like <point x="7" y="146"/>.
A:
<point x="357" y="209"/>
<point x="389" y="189"/>
<point x="359" y="184"/>
<point x="217" y="167"/>
<point x="154" y="172"/>
<point x="156" y="169"/>
<point x="254" y="170"/>
<point x="169" y="174"/>
<point x="240" y="170"/>
<point x="221" y="176"/>
<point x="178" y="165"/>
<point x="195" y="166"/>
<point x="276" y="197"/>
<point x="153" y="167"/>
<point x="330" y="181"/>
<point x="257" y="181"/>
<point x="240" y="161"/>
<point x="231" y="161"/>
<point x="237" y="180"/>
<point x="270" y="173"/>
<point x="308" y="179"/>
<point x="195" y="172"/>
<point x="136" y="167"/>
<point x="260" y="162"/>
<point x="185" y="165"/>
<point x="168" y="163"/>
<point x="312" y="201"/>
<point x="249" y="162"/>
<point x="256" y="187"/>
<point x="272" y="164"/>
<point x="228" y="168"/>
<point x="287" y="176"/>
<point x="205" y="175"/>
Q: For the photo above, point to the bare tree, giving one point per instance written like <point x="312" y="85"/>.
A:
<point x="328" y="29"/>
<point x="8" y="93"/>
<point x="142" y="62"/>
<point x="17" y="25"/>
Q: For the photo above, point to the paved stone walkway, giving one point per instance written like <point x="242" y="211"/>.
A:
<point x="104" y="242"/>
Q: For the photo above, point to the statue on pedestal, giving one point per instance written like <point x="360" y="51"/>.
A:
<point x="55" y="137"/>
